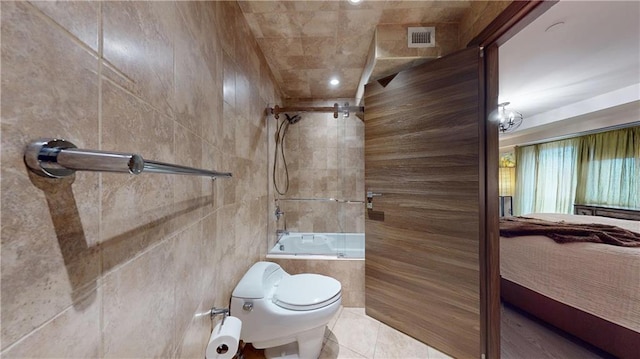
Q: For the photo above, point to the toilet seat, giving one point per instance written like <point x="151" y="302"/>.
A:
<point x="306" y="292"/>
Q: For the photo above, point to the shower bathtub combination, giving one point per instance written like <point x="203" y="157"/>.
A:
<point x="332" y="245"/>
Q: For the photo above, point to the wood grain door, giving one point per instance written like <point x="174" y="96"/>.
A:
<point x="423" y="155"/>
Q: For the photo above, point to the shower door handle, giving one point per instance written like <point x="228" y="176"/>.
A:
<point x="370" y="196"/>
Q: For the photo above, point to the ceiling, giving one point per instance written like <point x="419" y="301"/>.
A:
<point x="307" y="43"/>
<point x="589" y="63"/>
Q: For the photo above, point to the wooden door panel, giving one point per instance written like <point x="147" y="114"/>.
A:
<point x="422" y="153"/>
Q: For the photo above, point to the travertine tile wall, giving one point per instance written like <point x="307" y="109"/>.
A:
<point x="477" y="17"/>
<point x="391" y="40"/>
<point x="392" y="54"/>
<point x="308" y="41"/>
<point x="325" y="159"/>
<point x="114" y="265"/>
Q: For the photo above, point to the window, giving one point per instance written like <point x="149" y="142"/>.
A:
<point x="602" y="169"/>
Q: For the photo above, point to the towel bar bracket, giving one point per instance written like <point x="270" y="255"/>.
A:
<point x="42" y="158"/>
<point x="59" y="158"/>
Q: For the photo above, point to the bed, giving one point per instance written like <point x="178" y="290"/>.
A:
<point x="589" y="290"/>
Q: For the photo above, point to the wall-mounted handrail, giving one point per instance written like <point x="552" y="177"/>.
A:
<point x="59" y="158"/>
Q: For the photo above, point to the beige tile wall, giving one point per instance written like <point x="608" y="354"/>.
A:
<point x="477" y="17"/>
<point x="392" y="54"/>
<point x="113" y="265"/>
<point x="389" y="41"/>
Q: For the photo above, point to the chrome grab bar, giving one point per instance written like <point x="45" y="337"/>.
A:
<point x="320" y="199"/>
<point x="59" y="158"/>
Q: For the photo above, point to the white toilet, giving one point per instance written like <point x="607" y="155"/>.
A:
<point x="285" y="314"/>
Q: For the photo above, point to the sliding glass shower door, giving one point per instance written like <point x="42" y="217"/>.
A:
<point x="316" y="183"/>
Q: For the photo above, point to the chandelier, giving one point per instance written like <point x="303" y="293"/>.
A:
<point x="509" y="119"/>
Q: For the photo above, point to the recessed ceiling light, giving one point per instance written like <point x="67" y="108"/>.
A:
<point x="334" y="82"/>
<point x="355" y="1"/>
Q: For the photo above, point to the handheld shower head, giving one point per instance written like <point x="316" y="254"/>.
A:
<point x="293" y="119"/>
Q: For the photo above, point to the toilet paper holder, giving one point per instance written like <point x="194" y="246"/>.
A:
<point x="218" y="311"/>
<point x="223" y="348"/>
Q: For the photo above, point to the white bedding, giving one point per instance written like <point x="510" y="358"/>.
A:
<point x="600" y="279"/>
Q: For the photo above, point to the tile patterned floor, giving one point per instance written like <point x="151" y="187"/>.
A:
<point x="351" y="334"/>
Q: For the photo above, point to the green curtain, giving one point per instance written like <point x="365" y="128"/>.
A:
<point x="547" y="177"/>
<point x="600" y="169"/>
<point x="557" y="176"/>
<point x="526" y="173"/>
<point x="609" y="167"/>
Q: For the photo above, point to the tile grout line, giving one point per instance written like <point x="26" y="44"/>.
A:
<point x="59" y="27"/>
<point x="101" y="321"/>
<point x="375" y="346"/>
<point x="355" y="313"/>
<point x="133" y="95"/>
<point x="173" y="110"/>
<point x="45" y="323"/>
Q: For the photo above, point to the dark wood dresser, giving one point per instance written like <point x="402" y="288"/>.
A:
<point x="613" y="212"/>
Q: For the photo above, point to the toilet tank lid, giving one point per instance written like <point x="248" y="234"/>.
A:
<point x="251" y="286"/>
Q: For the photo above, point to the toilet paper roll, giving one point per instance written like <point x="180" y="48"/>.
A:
<point x="224" y="340"/>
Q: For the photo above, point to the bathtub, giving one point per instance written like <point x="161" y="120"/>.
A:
<point x="338" y="255"/>
<point x="336" y="245"/>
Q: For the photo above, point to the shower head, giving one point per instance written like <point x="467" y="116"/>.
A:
<point x="293" y="119"/>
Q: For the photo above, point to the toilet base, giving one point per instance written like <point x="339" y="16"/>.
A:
<point x="287" y="351"/>
<point x="307" y="346"/>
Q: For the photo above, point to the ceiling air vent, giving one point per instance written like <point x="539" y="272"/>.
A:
<point x="421" y="36"/>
